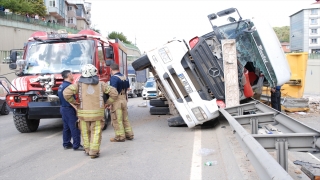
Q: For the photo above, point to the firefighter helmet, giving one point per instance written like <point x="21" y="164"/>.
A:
<point x="88" y="70"/>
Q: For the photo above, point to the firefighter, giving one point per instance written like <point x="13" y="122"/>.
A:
<point x="119" y="112"/>
<point x="69" y="116"/>
<point x="91" y="106"/>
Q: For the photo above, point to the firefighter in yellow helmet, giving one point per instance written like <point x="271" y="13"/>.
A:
<point x="119" y="112"/>
<point x="90" y="110"/>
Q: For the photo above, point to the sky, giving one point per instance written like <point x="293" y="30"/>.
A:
<point x="150" y="23"/>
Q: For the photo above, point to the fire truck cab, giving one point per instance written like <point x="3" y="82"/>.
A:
<point x="33" y="94"/>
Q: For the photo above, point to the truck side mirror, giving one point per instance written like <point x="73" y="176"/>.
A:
<point x="109" y="52"/>
<point x="109" y="62"/>
<point x="226" y="12"/>
<point x="12" y="66"/>
<point x="212" y="16"/>
<point x="13" y="56"/>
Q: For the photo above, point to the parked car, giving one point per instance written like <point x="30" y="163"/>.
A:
<point x="149" y="89"/>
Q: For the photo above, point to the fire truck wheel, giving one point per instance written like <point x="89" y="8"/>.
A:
<point x="176" y="122"/>
<point x="141" y="63"/>
<point x="25" y="125"/>
<point x="159" y="110"/>
<point x="158" y="103"/>
<point x="4" y="109"/>
<point x="107" y="118"/>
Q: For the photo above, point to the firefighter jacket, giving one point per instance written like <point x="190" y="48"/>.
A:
<point x="91" y="101"/>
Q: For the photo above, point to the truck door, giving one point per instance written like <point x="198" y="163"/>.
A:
<point x="101" y="63"/>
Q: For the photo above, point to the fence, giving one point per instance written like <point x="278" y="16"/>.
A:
<point x="4" y="57"/>
<point x="314" y="56"/>
<point x="16" y="17"/>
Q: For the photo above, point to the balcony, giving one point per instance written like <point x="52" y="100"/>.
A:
<point x="71" y="14"/>
<point x="54" y="11"/>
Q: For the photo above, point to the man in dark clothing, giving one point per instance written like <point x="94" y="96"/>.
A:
<point x="69" y="116"/>
<point x="119" y="112"/>
<point x="276" y="98"/>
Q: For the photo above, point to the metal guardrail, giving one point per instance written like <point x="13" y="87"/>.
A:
<point x="16" y="17"/>
<point x="314" y="56"/>
<point x="273" y="131"/>
<point x="4" y="57"/>
<point x="262" y="161"/>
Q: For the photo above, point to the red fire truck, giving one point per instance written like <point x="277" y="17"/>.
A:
<point x="33" y="94"/>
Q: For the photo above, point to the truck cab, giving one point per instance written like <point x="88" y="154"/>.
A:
<point x="33" y="94"/>
<point x="193" y="75"/>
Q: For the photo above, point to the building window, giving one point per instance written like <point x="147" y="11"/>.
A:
<point x="313" y="41"/>
<point x="287" y="47"/>
<point x="52" y="3"/>
<point x="314" y="31"/>
<point x="314" y="21"/>
<point x="70" y="20"/>
<point x="69" y="8"/>
<point x="314" y="11"/>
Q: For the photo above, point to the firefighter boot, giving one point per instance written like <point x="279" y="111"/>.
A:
<point x="116" y="140"/>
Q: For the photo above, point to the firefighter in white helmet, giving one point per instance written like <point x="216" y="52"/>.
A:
<point x="90" y="110"/>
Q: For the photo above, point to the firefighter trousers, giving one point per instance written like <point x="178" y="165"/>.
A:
<point x="91" y="136"/>
<point x="119" y="119"/>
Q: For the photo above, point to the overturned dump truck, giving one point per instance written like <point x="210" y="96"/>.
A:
<point x="213" y="78"/>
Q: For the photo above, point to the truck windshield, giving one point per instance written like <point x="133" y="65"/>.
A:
<point x="58" y="56"/>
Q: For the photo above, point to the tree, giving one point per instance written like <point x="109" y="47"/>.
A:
<point x="38" y="7"/>
<point x="283" y="33"/>
<point x="117" y="35"/>
<point x="96" y="30"/>
<point x="25" y="6"/>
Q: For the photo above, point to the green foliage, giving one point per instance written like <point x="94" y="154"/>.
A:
<point x="283" y="33"/>
<point x="25" y="6"/>
<point x="38" y="7"/>
<point x="117" y="35"/>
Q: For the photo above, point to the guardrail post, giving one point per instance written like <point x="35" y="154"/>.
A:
<point x="240" y="111"/>
<point x="282" y="153"/>
<point x="254" y="125"/>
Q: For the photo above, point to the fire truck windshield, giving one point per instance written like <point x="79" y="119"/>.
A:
<point x="54" y="57"/>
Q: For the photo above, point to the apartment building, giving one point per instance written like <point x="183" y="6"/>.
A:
<point x="305" y="29"/>
<point x="71" y="13"/>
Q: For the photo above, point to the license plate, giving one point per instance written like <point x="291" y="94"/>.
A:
<point x="185" y="83"/>
<point x="152" y="94"/>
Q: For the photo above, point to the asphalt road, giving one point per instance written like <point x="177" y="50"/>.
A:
<point x="157" y="152"/>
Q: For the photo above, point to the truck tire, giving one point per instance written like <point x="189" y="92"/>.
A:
<point x="141" y="63"/>
<point x="159" y="110"/>
<point x="107" y="118"/>
<point x="176" y="122"/>
<point x="25" y="125"/>
<point x="158" y="103"/>
<point x="4" y="109"/>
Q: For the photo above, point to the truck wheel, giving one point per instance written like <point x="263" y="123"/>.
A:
<point x="25" y="125"/>
<point x="158" y="103"/>
<point x="141" y="63"/>
<point x="107" y="118"/>
<point x="159" y="110"/>
<point x="4" y="109"/>
<point x="176" y="122"/>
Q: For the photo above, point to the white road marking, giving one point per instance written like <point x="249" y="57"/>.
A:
<point x="314" y="157"/>
<point x="55" y="134"/>
<point x="196" y="171"/>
